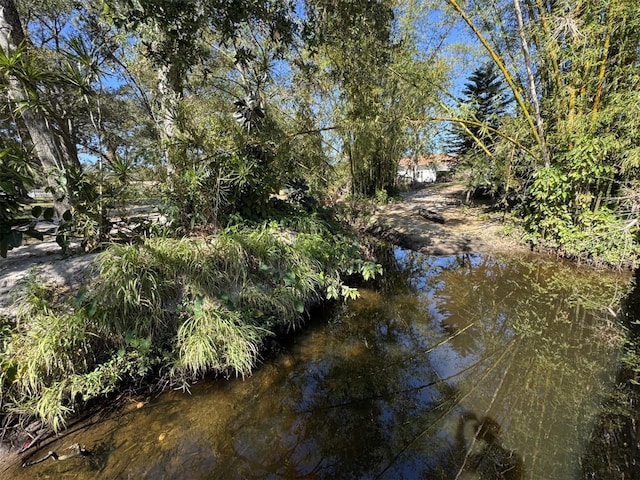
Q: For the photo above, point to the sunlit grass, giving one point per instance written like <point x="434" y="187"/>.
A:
<point x="167" y="311"/>
<point x="214" y="338"/>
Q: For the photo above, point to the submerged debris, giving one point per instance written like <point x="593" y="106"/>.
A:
<point x="77" y="450"/>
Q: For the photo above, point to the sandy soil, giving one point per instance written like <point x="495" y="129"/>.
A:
<point x="469" y="227"/>
<point x="52" y="267"/>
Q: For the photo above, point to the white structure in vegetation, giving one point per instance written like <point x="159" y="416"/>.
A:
<point x="424" y="169"/>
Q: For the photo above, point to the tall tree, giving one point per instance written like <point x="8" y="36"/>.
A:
<point x="485" y="99"/>
<point x="355" y="39"/>
<point x="52" y="140"/>
<point x="177" y="38"/>
<point x="380" y="83"/>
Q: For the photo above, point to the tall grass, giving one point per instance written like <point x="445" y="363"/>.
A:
<point x="167" y="311"/>
<point x="47" y="346"/>
<point x="215" y="338"/>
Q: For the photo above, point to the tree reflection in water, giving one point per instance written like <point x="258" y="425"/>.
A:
<point x="614" y="446"/>
<point x="454" y="367"/>
<point x="526" y="346"/>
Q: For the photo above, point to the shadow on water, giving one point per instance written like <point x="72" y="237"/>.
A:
<point x="467" y="367"/>
<point x="614" y="448"/>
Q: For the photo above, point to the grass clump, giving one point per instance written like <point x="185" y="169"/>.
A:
<point x="169" y="311"/>
<point x="214" y="338"/>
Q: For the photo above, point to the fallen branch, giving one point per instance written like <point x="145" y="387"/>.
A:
<point x="431" y="215"/>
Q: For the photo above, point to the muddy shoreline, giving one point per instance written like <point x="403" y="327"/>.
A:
<point x="439" y="219"/>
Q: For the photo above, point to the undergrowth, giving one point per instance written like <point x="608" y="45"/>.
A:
<point x="169" y="311"/>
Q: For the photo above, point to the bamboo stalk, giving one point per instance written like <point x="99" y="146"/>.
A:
<point x="507" y="75"/>
<point x="550" y="51"/>
<point x="572" y="107"/>
<point x="533" y="93"/>
<point x="603" y="64"/>
<point x="508" y="180"/>
<point x="489" y="128"/>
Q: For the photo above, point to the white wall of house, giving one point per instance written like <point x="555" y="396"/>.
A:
<point x="423" y="169"/>
<point x="418" y="173"/>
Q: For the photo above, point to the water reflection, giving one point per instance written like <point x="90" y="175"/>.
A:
<point x="456" y="367"/>
<point x="614" y="445"/>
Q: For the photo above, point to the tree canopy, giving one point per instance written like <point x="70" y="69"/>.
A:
<point x="486" y="98"/>
<point x="220" y="104"/>
<point x="241" y="123"/>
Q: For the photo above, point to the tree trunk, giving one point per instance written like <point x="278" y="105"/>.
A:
<point x="168" y="102"/>
<point x="47" y="145"/>
<point x="169" y="79"/>
<point x="533" y="92"/>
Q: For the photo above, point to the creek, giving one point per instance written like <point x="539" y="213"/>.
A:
<point x="462" y="367"/>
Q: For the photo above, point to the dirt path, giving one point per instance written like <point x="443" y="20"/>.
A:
<point x="467" y="228"/>
<point x="51" y="265"/>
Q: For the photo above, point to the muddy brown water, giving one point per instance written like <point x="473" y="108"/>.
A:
<point x="462" y="367"/>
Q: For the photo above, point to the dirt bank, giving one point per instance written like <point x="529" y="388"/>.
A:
<point x="468" y="227"/>
<point x="52" y="267"/>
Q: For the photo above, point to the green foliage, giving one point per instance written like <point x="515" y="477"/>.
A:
<point x="173" y="309"/>
<point x="485" y="101"/>
<point x="221" y="172"/>
<point x="577" y="143"/>
<point x="381" y="196"/>
<point x="44" y="349"/>
<point x="214" y="338"/>
<point x="601" y="237"/>
<point x="484" y="157"/>
<point x="210" y="192"/>
<point x="570" y="203"/>
<point x="369" y="68"/>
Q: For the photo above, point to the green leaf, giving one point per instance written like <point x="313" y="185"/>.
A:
<point x="9" y="239"/>
<point x="299" y="306"/>
<point x="145" y="344"/>
<point x="370" y="270"/>
<point x="290" y="279"/>
<point x="77" y="300"/>
<point x="10" y="372"/>
<point x="263" y="267"/>
<point x="91" y="308"/>
<point x="197" y="304"/>
<point x="332" y="293"/>
<point x="349" y="292"/>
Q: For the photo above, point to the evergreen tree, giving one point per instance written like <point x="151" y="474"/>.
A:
<point x="486" y="99"/>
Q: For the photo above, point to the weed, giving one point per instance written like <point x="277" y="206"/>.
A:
<point x="170" y="311"/>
